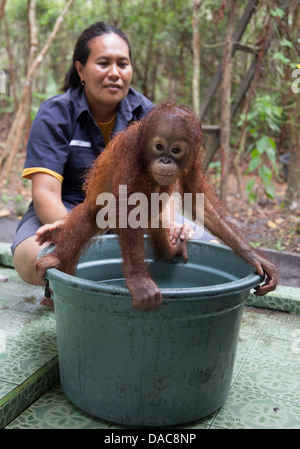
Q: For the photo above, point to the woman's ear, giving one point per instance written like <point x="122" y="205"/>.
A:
<point x="80" y="70"/>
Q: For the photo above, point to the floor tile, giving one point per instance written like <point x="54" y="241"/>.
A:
<point x="28" y="348"/>
<point x="274" y="381"/>
<point x="244" y="410"/>
<point x="11" y="349"/>
<point x="20" y="397"/>
<point x="283" y="325"/>
<point x="26" y="364"/>
<point x="32" y="327"/>
<point x="254" y="320"/>
<point x="275" y="351"/>
<point x="55" y="411"/>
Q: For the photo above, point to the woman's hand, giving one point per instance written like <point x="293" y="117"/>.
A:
<point x="176" y="230"/>
<point x="47" y="232"/>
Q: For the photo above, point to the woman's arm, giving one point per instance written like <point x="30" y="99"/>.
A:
<point x="46" y="195"/>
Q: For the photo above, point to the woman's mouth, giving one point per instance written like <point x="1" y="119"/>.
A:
<point x="113" y="87"/>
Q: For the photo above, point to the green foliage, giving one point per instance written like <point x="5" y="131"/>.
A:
<point x="280" y="56"/>
<point x="264" y="118"/>
<point x="20" y="206"/>
<point x="277" y="12"/>
<point x="51" y="90"/>
<point x="9" y="105"/>
<point x="264" y="115"/>
<point x="160" y="33"/>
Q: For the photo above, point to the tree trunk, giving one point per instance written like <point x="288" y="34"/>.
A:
<point x="2" y="4"/>
<point x="10" y="64"/>
<point x="225" y="99"/>
<point x="196" y="57"/>
<point x="292" y="196"/>
<point x="15" y="134"/>
<point x="33" y="47"/>
<point x="147" y="68"/>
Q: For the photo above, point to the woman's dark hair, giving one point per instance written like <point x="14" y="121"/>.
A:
<point x="82" y="50"/>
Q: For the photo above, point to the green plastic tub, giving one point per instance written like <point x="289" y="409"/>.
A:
<point x="159" y="368"/>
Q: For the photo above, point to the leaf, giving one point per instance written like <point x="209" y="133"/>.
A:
<point x="277" y="12"/>
<point x="255" y="153"/>
<point x="270" y="190"/>
<point x="254" y="163"/>
<point x="286" y="43"/>
<point x="255" y="244"/>
<point x="279" y="220"/>
<point x="271" y="224"/>
<point x="265" y="173"/>
<point x="279" y="56"/>
<point x="262" y="144"/>
<point x="249" y="190"/>
<point x="4" y="213"/>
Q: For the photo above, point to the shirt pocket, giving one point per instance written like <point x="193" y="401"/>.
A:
<point x="81" y="157"/>
<point x="81" y="154"/>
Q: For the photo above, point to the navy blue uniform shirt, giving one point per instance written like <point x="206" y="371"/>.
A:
<point x="65" y="139"/>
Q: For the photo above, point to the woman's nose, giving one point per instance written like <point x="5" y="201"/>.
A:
<point x="113" y="72"/>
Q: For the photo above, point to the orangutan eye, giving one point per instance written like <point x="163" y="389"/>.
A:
<point x="159" y="147"/>
<point x="175" y="150"/>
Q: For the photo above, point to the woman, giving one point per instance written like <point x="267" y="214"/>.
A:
<point x="70" y="131"/>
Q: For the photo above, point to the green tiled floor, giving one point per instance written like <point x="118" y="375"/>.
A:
<point x="28" y="352"/>
<point x="265" y="391"/>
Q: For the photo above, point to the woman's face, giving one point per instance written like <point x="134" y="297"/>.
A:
<point x="107" y="73"/>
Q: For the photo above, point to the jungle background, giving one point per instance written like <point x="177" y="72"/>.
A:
<point x="178" y="46"/>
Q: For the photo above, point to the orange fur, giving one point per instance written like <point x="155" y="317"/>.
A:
<point x="127" y="161"/>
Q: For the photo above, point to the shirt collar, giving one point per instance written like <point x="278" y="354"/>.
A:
<point x="82" y="101"/>
<point x="129" y="104"/>
<point x="126" y="107"/>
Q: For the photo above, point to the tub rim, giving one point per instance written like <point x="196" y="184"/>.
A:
<point x="108" y="289"/>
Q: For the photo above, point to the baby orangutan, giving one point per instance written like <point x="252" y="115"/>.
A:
<point x="160" y="153"/>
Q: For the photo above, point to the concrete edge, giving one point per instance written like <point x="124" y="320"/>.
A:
<point x="22" y="396"/>
<point x="6" y="258"/>
<point x="284" y="299"/>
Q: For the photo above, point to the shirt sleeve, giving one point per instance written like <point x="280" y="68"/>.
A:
<point x="27" y="172"/>
<point x="47" y="148"/>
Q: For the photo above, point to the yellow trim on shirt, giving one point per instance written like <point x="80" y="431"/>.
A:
<point x="27" y="172"/>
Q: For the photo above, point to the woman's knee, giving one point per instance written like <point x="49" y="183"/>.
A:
<point x="25" y="255"/>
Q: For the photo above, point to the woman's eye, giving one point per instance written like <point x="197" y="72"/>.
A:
<point x="159" y="147"/>
<point x="103" y="63"/>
